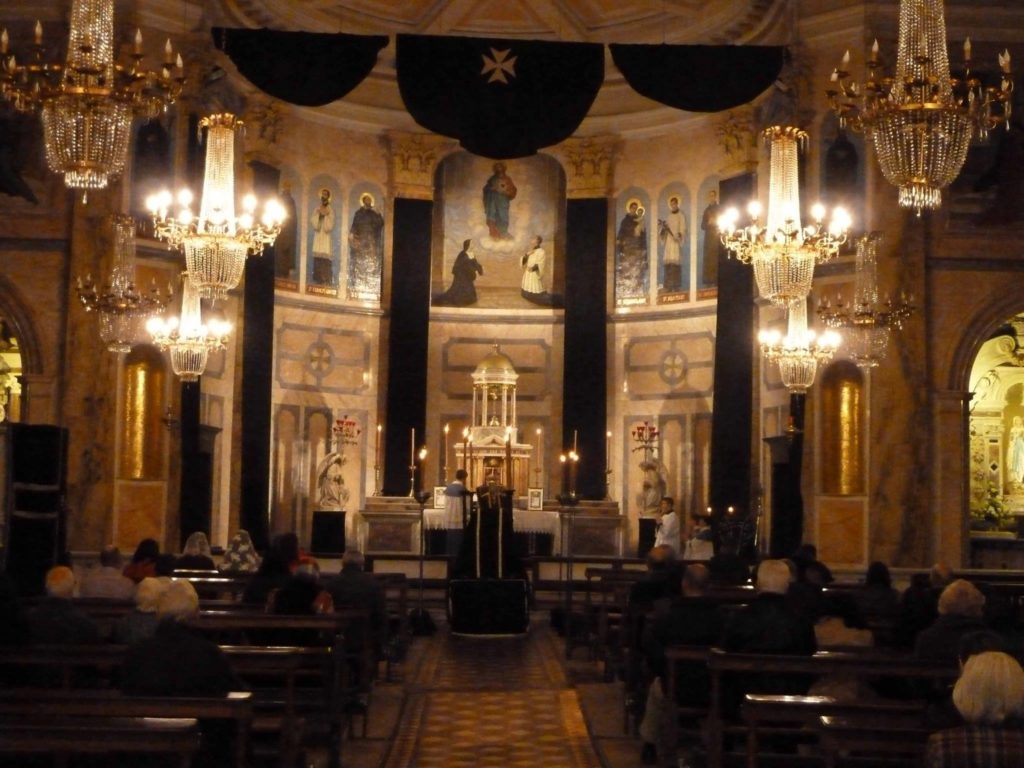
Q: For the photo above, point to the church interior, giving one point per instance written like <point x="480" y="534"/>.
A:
<point x="513" y="238"/>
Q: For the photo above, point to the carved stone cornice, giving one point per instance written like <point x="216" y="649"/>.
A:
<point x="412" y="160"/>
<point x="589" y="165"/>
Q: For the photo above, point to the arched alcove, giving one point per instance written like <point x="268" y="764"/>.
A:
<point x="145" y="380"/>
<point x="842" y="429"/>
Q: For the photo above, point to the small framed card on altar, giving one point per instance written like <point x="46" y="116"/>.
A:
<point x="535" y="498"/>
<point x="439" y="497"/>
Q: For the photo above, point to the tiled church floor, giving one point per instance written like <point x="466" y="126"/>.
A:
<point x="486" y="702"/>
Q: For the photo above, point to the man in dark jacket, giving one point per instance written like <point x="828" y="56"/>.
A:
<point x="354" y="588"/>
<point x="960" y="613"/>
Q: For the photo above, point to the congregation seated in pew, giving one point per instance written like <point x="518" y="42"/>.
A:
<point x="196" y="555"/>
<point x="55" y="620"/>
<point x="108" y="580"/>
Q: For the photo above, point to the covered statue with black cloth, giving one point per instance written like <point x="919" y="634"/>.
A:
<point x="487" y="546"/>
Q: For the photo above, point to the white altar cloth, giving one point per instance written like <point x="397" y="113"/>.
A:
<point x="523" y="520"/>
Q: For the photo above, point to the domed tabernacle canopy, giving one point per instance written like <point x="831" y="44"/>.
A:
<point x="496" y="368"/>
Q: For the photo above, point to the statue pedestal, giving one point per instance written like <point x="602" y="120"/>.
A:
<point x="328" y="537"/>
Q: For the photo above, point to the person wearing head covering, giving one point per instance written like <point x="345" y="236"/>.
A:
<point x="141" y="622"/>
<point x="143" y="562"/>
<point x="107" y="580"/>
<point x="196" y="555"/>
<point x="240" y="556"/>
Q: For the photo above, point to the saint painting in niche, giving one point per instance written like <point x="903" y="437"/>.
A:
<point x="322" y="222"/>
<point x="631" y="262"/>
<point x="672" y="240"/>
<point x="462" y="292"/>
<point x="709" y="242"/>
<point x="499" y="192"/>
<point x="366" y="250"/>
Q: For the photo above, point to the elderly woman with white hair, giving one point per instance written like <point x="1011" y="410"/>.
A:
<point x="140" y="622"/>
<point x="990" y="697"/>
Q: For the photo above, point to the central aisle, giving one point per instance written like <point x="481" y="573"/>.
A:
<point x="490" y="703"/>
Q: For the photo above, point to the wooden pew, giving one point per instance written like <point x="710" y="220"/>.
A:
<point x="100" y="735"/>
<point x="858" y="665"/>
<point x="88" y="710"/>
<point x="396" y="602"/>
<point x="801" y="714"/>
<point x="881" y="745"/>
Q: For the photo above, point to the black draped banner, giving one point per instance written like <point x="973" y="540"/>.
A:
<point x="408" y="334"/>
<point x="584" y="388"/>
<point x="731" y="419"/>
<point x="301" y="68"/>
<point x="500" y="98"/>
<point x="699" y="78"/>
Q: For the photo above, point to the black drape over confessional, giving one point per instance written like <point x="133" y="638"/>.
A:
<point x="584" y="388"/>
<point x="407" y="340"/>
<point x="787" y="473"/>
<point x="731" y="419"/>
<point x="699" y="78"/>
<point x="192" y="516"/>
<point x="300" y="67"/>
<point x="500" y="98"/>
<point x="258" y="376"/>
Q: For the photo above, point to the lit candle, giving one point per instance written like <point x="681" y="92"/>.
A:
<point x="412" y="447"/>
<point x="179" y="62"/>
<point x="874" y="50"/>
<point x="845" y="62"/>
<point x="422" y="456"/>
<point x="562" y="459"/>
<point x="376" y="448"/>
<point x="168" y="50"/>
<point x="539" y="465"/>
<point x="575" y="442"/>
<point x="138" y="42"/>
<point x="967" y="49"/>
<point x="608" y="450"/>
<point x="39" y="33"/>
<point x="574" y="459"/>
<point x="5" y="40"/>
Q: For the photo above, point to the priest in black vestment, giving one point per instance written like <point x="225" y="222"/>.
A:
<point x="487" y="550"/>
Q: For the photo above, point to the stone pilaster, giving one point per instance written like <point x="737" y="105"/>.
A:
<point x="589" y="165"/>
<point x="412" y="161"/>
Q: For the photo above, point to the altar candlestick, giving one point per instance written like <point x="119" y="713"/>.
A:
<point x="607" y="451"/>
<point x="445" y="459"/>
<point x="562" y="459"/>
<point x="376" y="447"/>
<point x="575" y="442"/>
<point x="508" y="458"/>
<point x="574" y="459"/>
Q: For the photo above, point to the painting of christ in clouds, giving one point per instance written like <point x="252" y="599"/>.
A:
<point x="502" y="209"/>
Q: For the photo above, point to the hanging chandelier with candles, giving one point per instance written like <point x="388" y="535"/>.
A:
<point x="782" y="252"/>
<point x="187" y="338"/>
<point x="800" y="352"/>
<point x="87" y="103"/>
<point x="121" y="307"/>
<point x="217" y="242"/>
<point x="920" y="119"/>
<point x="867" y="321"/>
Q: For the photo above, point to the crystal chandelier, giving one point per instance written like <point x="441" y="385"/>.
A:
<point x="187" y="338"/>
<point x="921" y="119"/>
<point x="868" y="321"/>
<point x="782" y="252"/>
<point x="87" y="103"/>
<point x="800" y="351"/>
<point x="121" y="307"/>
<point x="217" y="242"/>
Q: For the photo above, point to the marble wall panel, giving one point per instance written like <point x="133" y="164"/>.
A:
<point x="842" y="530"/>
<point x="670" y="366"/>
<point x="140" y="512"/>
<point x="325" y="360"/>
